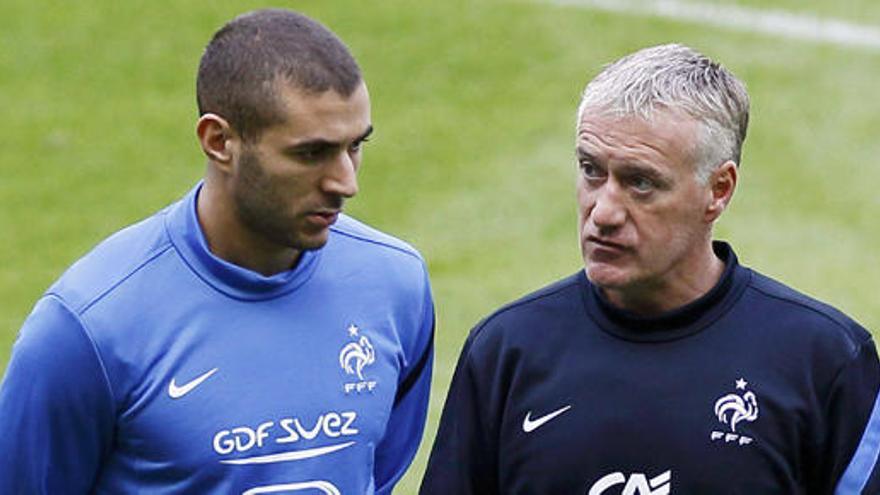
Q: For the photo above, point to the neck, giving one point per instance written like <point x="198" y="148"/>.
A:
<point x="683" y="284"/>
<point x="231" y="241"/>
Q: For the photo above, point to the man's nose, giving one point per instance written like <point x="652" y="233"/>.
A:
<point x="341" y="177"/>
<point x="609" y="210"/>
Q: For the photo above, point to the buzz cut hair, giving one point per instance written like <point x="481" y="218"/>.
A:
<point x="242" y="69"/>
<point x="674" y="77"/>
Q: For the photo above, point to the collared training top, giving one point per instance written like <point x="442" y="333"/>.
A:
<point x="752" y="389"/>
<point x="152" y="366"/>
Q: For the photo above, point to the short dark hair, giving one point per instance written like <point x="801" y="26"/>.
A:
<point x="246" y="59"/>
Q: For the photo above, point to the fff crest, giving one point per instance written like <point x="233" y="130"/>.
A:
<point x="354" y="357"/>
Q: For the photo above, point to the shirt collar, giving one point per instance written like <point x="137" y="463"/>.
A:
<point x="677" y="323"/>
<point x="235" y="281"/>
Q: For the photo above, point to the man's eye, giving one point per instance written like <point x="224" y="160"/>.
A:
<point x="590" y="170"/>
<point x="642" y="184"/>
<point x="356" y="146"/>
<point x="312" y="154"/>
<point x="308" y="154"/>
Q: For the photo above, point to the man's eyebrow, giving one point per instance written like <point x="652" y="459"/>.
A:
<point x="321" y="143"/>
<point x="311" y="145"/>
<point x="636" y="166"/>
<point x="366" y="134"/>
<point x="634" y="169"/>
<point x="583" y="154"/>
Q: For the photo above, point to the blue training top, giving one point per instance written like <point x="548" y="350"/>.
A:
<point x="152" y="366"/>
<point x="752" y="389"/>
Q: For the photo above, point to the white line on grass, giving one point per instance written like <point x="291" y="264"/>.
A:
<point x="774" y="22"/>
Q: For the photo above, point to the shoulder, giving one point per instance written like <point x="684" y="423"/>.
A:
<point x="532" y="317"/>
<point x="373" y="261"/>
<point x="348" y="231"/>
<point x="355" y="247"/>
<point x="813" y="321"/>
<point x="111" y="262"/>
<point x="381" y="271"/>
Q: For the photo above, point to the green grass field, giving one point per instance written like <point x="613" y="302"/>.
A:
<point x="472" y="161"/>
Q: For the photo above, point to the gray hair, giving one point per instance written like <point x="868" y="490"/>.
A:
<point x="675" y="77"/>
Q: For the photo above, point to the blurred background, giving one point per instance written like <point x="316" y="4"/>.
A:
<point x="472" y="160"/>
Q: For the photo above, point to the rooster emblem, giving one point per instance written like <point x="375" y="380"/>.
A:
<point x="356" y="355"/>
<point x="731" y="409"/>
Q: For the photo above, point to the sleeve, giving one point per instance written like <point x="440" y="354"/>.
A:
<point x="853" y="427"/>
<point x="464" y="457"/>
<point x="56" y="411"/>
<point x="403" y="433"/>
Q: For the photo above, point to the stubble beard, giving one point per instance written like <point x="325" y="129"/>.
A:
<point x="260" y="208"/>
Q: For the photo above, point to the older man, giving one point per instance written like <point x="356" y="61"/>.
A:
<point x="250" y="338"/>
<point x="665" y="366"/>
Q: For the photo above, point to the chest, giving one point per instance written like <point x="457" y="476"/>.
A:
<point x="264" y="395"/>
<point x="653" y="420"/>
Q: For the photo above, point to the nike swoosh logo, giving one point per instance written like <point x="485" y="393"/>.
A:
<point x="530" y="425"/>
<point x="176" y="392"/>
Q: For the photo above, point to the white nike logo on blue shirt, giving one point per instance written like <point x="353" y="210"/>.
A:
<point x="176" y="392"/>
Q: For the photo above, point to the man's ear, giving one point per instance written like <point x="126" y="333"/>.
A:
<point x="722" y="184"/>
<point x="217" y="139"/>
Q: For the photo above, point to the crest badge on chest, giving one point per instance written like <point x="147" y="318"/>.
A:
<point x="733" y="411"/>
<point x="354" y="358"/>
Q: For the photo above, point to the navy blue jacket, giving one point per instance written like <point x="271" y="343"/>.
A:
<point x="752" y="389"/>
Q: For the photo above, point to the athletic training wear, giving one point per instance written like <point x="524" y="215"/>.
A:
<point x="152" y="366"/>
<point x="752" y="389"/>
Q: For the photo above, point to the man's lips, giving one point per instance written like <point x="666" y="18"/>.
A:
<point x="323" y="218"/>
<point x="605" y="251"/>
<point x="606" y="244"/>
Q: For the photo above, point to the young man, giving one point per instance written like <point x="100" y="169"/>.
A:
<point x="250" y="338"/>
<point x="664" y="367"/>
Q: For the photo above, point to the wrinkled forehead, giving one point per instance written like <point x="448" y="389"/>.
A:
<point x="613" y="135"/>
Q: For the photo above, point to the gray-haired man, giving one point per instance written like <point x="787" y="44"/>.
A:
<point x="664" y="366"/>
